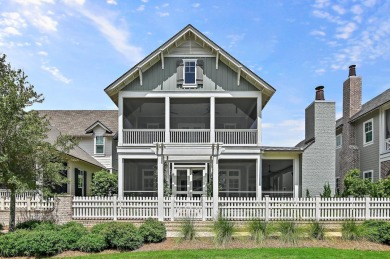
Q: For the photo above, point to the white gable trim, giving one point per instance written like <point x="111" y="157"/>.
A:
<point x="94" y="125"/>
<point x="175" y="41"/>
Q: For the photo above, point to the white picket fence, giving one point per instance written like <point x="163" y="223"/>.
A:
<point x="233" y="208"/>
<point x="27" y="203"/>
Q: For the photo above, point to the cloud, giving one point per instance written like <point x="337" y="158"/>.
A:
<point x="113" y="2"/>
<point x="320" y="71"/>
<point x="163" y="14"/>
<point x="346" y="31"/>
<point x="141" y="8"/>
<point x="116" y="36"/>
<point x="34" y="2"/>
<point x="196" y="5"/>
<point x="144" y="1"/>
<point x="42" y="53"/>
<point x="317" y="33"/>
<point x="234" y="38"/>
<point x="43" y="22"/>
<point x="55" y="72"/>
<point x="293" y="135"/>
<point x="74" y="2"/>
<point x="11" y="24"/>
<point x="338" y="9"/>
<point x="321" y="3"/>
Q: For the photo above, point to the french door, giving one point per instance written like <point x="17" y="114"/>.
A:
<point x="189" y="181"/>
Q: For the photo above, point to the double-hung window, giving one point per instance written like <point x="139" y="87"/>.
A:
<point x="368" y="135"/>
<point x="99" y="145"/>
<point x="339" y="140"/>
<point x="189" y="72"/>
<point x="367" y="175"/>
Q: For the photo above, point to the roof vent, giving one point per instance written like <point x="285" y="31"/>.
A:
<point x="352" y="70"/>
<point x="320" y="93"/>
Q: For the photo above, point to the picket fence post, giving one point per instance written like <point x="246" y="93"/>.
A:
<point x="204" y="211"/>
<point x="367" y="200"/>
<point x="114" y="209"/>
<point x="267" y="209"/>
<point x="318" y="211"/>
<point x="28" y="204"/>
<point x="172" y="207"/>
<point x="2" y="203"/>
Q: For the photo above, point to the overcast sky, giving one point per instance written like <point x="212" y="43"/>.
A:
<point x="72" y="49"/>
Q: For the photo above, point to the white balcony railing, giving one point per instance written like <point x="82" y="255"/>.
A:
<point x="190" y="135"/>
<point x="387" y="141"/>
<point x="236" y="136"/>
<point x="143" y="136"/>
<point x="225" y="136"/>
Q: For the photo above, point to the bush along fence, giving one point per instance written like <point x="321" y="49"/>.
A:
<point x="65" y="208"/>
<point x="202" y="208"/>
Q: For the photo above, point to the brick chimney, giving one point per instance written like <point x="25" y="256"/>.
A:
<point x="352" y="103"/>
<point x="319" y="157"/>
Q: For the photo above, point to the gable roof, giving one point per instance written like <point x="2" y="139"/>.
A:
<point x="179" y="38"/>
<point x="75" y="122"/>
<point x="76" y="152"/>
<point x="369" y="106"/>
<point x="94" y="125"/>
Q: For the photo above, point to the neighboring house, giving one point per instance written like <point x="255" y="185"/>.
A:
<point x="95" y="150"/>
<point x="189" y="119"/>
<point x="363" y="133"/>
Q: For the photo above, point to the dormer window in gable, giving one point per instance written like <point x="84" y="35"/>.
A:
<point x="99" y="145"/>
<point x="189" y="73"/>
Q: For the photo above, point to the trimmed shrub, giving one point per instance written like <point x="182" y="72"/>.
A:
<point x="43" y="243"/>
<point x="258" y="230"/>
<point x="187" y="229"/>
<point x="153" y="231"/>
<point x="92" y="243"/>
<point x="351" y="231"/>
<point x="377" y="231"/>
<point x="316" y="230"/>
<point x="122" y="236"/>
<point x="289" y="232"/>
<point x="71" y="232"/>
<point x="12" y="245"/>
<point x="37" y="224"/>
<point x="223" y="230"/>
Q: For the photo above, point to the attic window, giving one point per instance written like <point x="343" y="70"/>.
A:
<point x="99" y="145"/>
<point x="189" y="72"/>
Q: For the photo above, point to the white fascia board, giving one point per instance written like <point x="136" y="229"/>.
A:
<point x="173" y="94"/>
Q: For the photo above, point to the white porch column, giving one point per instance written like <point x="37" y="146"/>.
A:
<point x="259" y="102"/>
<point x="167" y="120"/>
<point x="121" y="170"/>
<point x="215" y="187"/>
<point x="160" y="187"/>
<point x="212" y="119"/>
<point x="120" y="120"/>
<point x="258" y="178"/>
<point x="296" y="177"/>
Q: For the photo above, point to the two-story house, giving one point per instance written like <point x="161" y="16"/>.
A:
<point x="94" y="131"/>
<point x="363" y="133"/>
<point x="189" y="121"/>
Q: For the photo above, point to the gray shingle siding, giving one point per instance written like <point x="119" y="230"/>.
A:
<point x="158" y="79"/>
<point x="369" y="155"/>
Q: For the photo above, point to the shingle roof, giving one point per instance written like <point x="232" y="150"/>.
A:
<point x="76" y="152"/>
<point x="75" y="122"/>
<point x="373" y="104"/>
<point x="288" y="149"/>
<point x="369" y="106"/>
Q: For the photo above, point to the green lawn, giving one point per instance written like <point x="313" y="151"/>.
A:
<point x="290" y="253"/>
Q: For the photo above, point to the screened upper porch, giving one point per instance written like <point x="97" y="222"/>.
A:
<point x="190" y="120"/>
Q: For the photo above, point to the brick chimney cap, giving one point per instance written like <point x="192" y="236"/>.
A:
<point x="320" y="87"/>
<point x="352" y="66"/>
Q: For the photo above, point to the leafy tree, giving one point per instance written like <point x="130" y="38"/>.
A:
<point x="356" y="186"/>
<point x="27" y="160"/>
<point x="104" y="183"/>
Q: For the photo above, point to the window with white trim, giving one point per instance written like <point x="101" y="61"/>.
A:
<point x="339" y="140"/>
<point x="368" y="134"/>
<point x="99" y="145"/>
<point x="189" y="72"/>
<point x="368" y="175"/>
